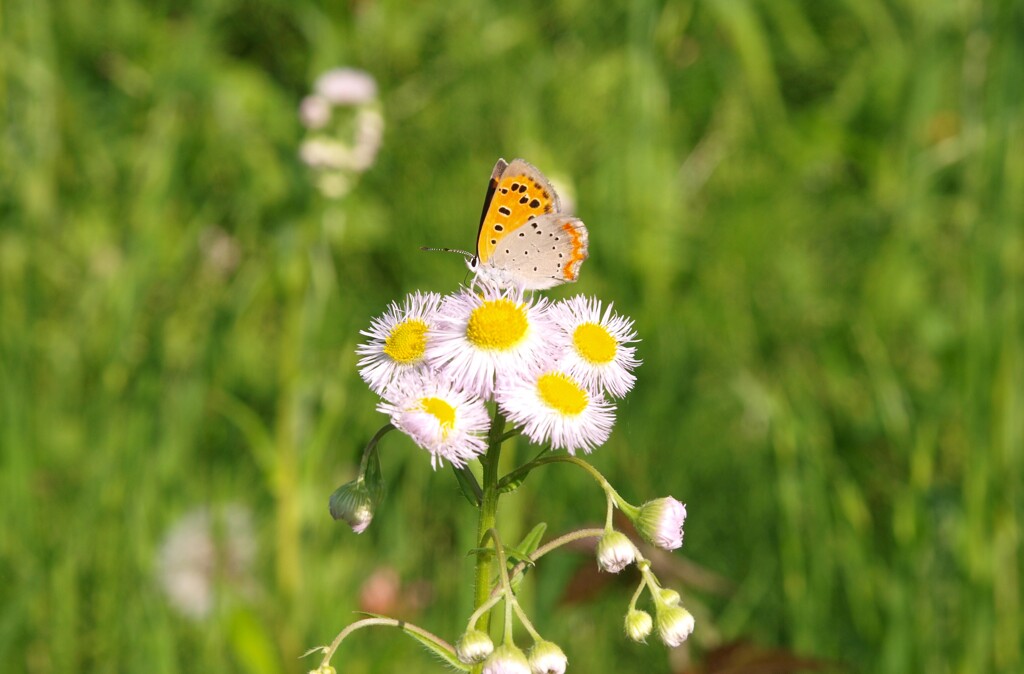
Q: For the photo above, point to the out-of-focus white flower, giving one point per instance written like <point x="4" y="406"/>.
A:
<point x="594" y="345"/>
<point x="368" y="136"/>
<point x="551" y="405"/>
<point x="347" y="86"/>
<point x="615" y="552"/>
<point x="315" y="111"/>
<point x="450" y="424"/>
<point x="347" y="128"/>
<point x="506" y="659"/>
<point x="675" y="624"/>
<point x="325" y="153"/>
<point x="547" y="658"/>
<point x="492" y="335"/>
<point x="661" y="522"/>
<point x="638" y="625"/>
<point x="398" y="340"/>
<point x="334" y="185"/>
<point x="203" y="553"/>
<point x="474" y="646"/>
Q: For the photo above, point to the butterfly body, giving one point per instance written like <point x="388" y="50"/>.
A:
<point x="524" y="239"/>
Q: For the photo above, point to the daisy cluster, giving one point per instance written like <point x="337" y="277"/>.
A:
<point x="552" y="368"/>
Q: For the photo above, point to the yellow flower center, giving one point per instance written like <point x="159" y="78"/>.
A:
<point x="497" y="325"/>
<point x="407" y="341"/>
<point x="562" y="393"/>
<point x="594" y="343"/>
<point x="440" y="410"/>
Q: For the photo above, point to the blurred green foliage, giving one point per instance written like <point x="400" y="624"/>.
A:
<point x="814" y="211"/>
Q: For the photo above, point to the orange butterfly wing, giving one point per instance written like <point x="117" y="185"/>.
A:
<point x="517" y="193"/>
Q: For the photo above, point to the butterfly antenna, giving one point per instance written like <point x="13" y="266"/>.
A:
<point x="448" y="250"/>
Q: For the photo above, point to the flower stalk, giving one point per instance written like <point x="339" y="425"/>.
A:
<point x="487" y="518"/>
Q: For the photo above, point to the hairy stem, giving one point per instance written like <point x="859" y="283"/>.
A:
<point x="488" y="517"/>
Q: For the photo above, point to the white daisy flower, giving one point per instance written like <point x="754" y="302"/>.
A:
<point x="554" y="406"/>
<point x="496" y="335"/>
<point x="595" y="345"/>
<point x="448" y="423"/>
<point x="398" y="340"/>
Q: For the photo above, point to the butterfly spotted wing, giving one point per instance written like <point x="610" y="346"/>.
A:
<point x="523" y="238"/>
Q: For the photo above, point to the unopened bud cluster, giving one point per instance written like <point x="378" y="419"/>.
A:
<point x="660" y="523"/>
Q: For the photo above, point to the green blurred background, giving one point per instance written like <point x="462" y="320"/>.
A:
<point x="814" y="211"/>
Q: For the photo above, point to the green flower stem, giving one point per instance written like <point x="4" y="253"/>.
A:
<point x="385" y="622"/>
<point x="488" y="517"/>
<point x="384" y="430"/>
<point x="484" y="608"/>
<point x="639" y="591"/>
<point x="534" y="634"/>
<point x="511" y="434"/>
<point x="650" y="580"/>
<point x="519" y="473"/>
<point x="505" y="590"/>
<point x="553" y="544"/>
<point x="506" y="587"/>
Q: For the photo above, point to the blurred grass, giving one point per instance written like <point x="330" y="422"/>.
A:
<point x="813" y="211"/>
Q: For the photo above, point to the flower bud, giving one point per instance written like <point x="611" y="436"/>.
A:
<point x="615" y="552"/>
<point x="353" y="503"/>
<point x="661" y="522"/>
<point x="638" y="625"/>
<point x="547" y="658"/>
<point x="506" y="659"/>
<point x="674" y="625"/>
<point x="668" y="597"/>
<point x="474" y="646"/>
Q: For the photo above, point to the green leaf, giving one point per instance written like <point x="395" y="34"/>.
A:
<point x="440" y="651"/>
<point x="468" y="485"/>
<point x="373" y="476"/>
<point x="509" y="486"/>
<point x="532" y="540"/>
<point x="438" y="648"/>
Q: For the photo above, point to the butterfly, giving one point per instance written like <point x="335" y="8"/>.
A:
<point x="524" y="239"/>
